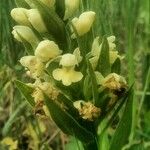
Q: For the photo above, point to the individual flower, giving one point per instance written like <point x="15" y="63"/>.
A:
<point x="47" y="50"/>
<point x="114" y="81"/>
<point x="13" y="145"/>
<point x="67" y="74"/>
<point x="84" y="23"/>
<point x="34" y="65"/>
<point x="70" y="8"/>
<point x="87" y="110"/>
<point x="96" y="50"/>
<point x="36" y="20"/>
<point x="26" y="33"/>
<point x="19" y="15"/>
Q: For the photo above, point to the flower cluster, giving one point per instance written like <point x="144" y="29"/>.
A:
<point x="61" y="67"/>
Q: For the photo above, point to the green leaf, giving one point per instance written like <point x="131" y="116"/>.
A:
<point x="22" y="4"/>
<point x="12" y="119"/>
<point x="87" y="88"/>
<point x="26" y="91"/>
<point x="67" y="123"/>
<point x="53" y="23"/>
<point x="60" y="8"/>
<point x="116" y="66"/>
<point x="119" y="106"/>
<point x="103" y="62"/>
<point x="94" y="82"/>
<point x="123" y="130"/>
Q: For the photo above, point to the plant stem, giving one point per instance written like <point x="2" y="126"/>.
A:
<point x="91" y="146"/>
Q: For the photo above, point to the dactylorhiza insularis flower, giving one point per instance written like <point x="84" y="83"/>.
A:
<point x="96" y="50"/>
<point x="26" y="33"/>
<point x="34" y="65"/>
<point x="47" y="50"/>
<point x="67" y="73"/>
<point x="84" y="23"/>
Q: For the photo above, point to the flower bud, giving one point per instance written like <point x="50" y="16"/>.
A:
<point x="19" y="15"/>
<point x="47" y="50"/>
<point x="84" y="23"/>
<point x="36" y="20"/>
<point x="71" y="7"/>
<point x="26" y="33"/>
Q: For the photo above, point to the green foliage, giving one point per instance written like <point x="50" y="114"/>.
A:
<point x="26" y="91"/>
<point x="103" y="62"/>
<point x="121" y="136"/>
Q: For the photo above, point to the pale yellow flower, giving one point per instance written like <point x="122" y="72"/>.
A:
<point x="67" y="74"/>
<point x="36" y="20"/>
<point x="96" y="50"/>
<point x="114" y="81"/>
<point x="84" y="23"/>
<point x="87" y="110"/>
<point x="13" y="145"/>
<point x="34" y="65"/>
<point x="47" y="50"/>
<point x="26" y="33"/>
<point x="70" y="7"/>
<point x="19" y="15"/>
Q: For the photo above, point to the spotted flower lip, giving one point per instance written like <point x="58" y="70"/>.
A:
<point x="84" y="23"/>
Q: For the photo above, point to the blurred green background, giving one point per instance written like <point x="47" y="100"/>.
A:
<point x="129" y="21"/>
